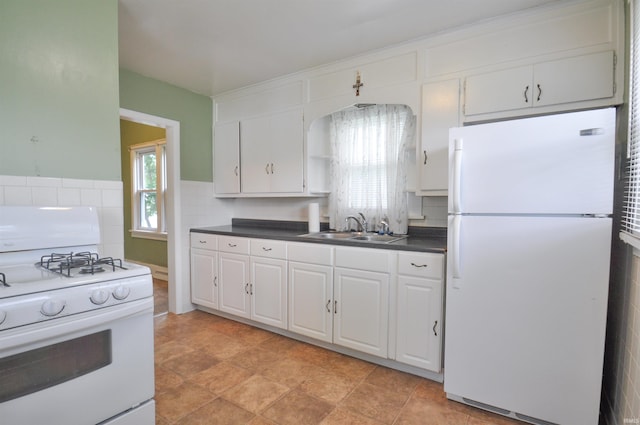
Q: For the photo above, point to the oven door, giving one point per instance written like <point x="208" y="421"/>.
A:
<point x="82" y="369"/>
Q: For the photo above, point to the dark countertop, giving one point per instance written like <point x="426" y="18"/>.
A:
<point x="421" y="239"/>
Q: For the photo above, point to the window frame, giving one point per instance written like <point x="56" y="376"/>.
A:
<point x="136" y="152"/>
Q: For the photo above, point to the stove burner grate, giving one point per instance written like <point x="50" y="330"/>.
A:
<point x="88" y="262"/>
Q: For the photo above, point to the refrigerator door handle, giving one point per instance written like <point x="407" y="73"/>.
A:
<point x="455" y="250"/>
<point x="457" y="174"/>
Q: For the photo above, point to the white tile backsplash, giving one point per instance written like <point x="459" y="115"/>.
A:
<point x="106" y="196"/>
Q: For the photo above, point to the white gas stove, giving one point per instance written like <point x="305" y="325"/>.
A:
<point x="60" y="299"/>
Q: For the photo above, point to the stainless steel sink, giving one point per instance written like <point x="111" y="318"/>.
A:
<point x="355" y="236"/>
<point x="378" y="238"/>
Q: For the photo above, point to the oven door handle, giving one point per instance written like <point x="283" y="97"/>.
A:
<point x="13" y="341"/>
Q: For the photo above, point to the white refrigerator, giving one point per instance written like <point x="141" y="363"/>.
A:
<point x="529" y="236"/>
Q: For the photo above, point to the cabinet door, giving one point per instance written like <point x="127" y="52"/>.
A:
<point x="440" y="106"/>
<point x="311" y="300"/>
<point x="419" y="324"/>
<point x="204" y="280"/>
<point x="256" y="155"/>
<point x="233" y="285"/>
<point x="286" y="146"/>
<point x="498" y="91"/>
<point x="361" y="305"/>
<point x="576" y="79"/>
<point x="269" y="291"/>
<point x="226" y="157"/>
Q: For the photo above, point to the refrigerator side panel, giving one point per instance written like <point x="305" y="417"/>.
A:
<point x="526" y="314"/>
<point x="557" y="164"/>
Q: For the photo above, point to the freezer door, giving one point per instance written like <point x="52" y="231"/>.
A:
<point x="557" y="164"/>
<point x="525" y="314"/>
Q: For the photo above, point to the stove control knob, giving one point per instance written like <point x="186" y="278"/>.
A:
<point x="121" y="292"/>
<point x="52" y="308"/>
<point x="3" y="316"/>
<point x="99" y="296"/>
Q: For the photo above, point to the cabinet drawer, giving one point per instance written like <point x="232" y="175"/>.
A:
<point x="268" y="248"/>
<point x="375" y="260"/>
<point x="310" y="253"/>
<point x="204" y="241"/>
<point x="421" y="264"/>
<point x="233" y="244"/>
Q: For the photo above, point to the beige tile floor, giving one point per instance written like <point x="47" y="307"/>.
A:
<point x="210" y="370"/>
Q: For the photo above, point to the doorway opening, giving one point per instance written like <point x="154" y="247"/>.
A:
<point x="176" y="294"/>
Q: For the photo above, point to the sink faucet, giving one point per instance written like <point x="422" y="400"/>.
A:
<point x="384" y="225"/>
<point x="346" y="222"/>
<point x="362" y="223"/>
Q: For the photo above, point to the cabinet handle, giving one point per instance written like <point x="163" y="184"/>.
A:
<point x="434" y="328"/>
<point x="335" y="307"/>
<point x="425" y="157"/>
<point x="539" y="92"/>
<point x="235" y="170"/>
<point x="215" y="281"/>
<point x="202" y="241"/>
<point x="246" y="288"/>
<point x="526" y="97"/>
<point x="266" y="169"/>
<point x="251" y="289"/>
<point x="232" y="245"/>
<point x="328" y="308"/>
<point x="266" y="249"/>
<point x="418" y="265"/>
<point x="272" y="168"/>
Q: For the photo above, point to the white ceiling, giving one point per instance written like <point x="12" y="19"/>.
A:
<point x="213" y="46"/>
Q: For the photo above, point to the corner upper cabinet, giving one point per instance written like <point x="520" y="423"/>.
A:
<point x="271" y="151"/>
<point x="440" y="111"/>
<point x="226" y="157"/>
<point x="582" y="81"/>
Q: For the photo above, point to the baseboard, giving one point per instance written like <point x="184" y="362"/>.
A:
<point x="157" y="272"/>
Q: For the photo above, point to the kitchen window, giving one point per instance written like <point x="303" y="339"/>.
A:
<point x="631" y="219"/>
<point x="369" y="156"/>
<point x="149" y="186"/>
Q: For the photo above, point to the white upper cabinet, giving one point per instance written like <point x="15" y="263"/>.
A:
<point x="565" y="81"/>
<point x="226" y="157"/>
<point x="440" y="107"/>
<point x="271" y="151"/>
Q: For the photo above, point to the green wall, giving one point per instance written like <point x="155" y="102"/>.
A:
<point x="193" y="111"/>
<point x="59" y="89"/>
<point x="144" y="250"/>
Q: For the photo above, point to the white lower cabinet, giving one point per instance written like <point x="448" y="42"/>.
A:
<point x="419" y="310"/>
<point x="204" y="266"/>
<point x="359" y="298"/>
<point x="268" y="283"/>
<point x="311" y="290"/>
<point x="361" y="310"/>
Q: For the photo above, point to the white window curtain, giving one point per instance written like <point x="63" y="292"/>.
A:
<point x="368" y="165"/>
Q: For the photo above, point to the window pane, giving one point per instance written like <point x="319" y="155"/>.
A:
<point x="148" y="170"/>
<point x="148" y="211"/>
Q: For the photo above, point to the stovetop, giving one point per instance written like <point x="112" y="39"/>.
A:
<point x="61" y="270"/>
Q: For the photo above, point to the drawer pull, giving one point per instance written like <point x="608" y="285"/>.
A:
<point x="203" y="241"/>
<point x="232" y="245"/>
<point x="266" y="249"/>
<point x="418" y="265"/>
<point x="434" y="328"/>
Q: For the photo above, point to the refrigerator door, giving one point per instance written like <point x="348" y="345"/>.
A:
<point x="525" y="314"/>
<point x="557" y="164"/>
